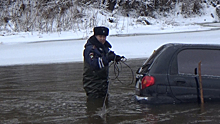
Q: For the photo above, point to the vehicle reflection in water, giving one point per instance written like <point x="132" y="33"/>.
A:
<point x="53" y="93"/>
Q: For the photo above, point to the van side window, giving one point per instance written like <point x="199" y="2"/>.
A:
<point x="188" y="59"/>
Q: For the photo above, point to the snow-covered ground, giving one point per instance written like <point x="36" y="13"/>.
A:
<point x="136" y="41"/>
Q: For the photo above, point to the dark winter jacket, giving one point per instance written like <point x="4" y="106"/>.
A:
<point x="96" y="64"/>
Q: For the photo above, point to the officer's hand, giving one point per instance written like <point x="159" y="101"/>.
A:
<point x="111" y="56"/>
<point x="118" y="58"/>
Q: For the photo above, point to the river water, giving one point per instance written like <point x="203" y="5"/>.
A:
<point x="53" y="93"/>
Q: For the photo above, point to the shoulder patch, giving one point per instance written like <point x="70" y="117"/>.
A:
<point x="91" y="55"/>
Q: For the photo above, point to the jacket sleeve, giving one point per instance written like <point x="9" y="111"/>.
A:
<point x="94" y="58"/>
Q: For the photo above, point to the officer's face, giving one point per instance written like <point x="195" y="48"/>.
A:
<point x="101" y="38"/>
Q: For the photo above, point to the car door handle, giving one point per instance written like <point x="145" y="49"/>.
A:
<point x="180" y="80"/>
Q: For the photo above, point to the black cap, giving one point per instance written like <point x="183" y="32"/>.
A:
<point x="101" y="31"/>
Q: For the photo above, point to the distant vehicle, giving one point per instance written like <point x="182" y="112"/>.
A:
<point x="169" y="75"/>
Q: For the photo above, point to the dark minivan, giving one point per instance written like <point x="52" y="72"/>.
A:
<point x="170" y="75"/>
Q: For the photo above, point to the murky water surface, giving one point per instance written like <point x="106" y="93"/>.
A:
<point x="53" y="93"/>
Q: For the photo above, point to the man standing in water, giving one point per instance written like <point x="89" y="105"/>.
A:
<point x="97" y="56"/>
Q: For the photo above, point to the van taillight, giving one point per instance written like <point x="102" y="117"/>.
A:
<point x="147" y="81"/>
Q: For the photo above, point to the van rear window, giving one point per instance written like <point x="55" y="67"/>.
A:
<point x="150" y="60"/>
<point x="188" y="60"/>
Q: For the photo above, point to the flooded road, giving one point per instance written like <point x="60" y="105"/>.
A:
<point x="53" y="93"/>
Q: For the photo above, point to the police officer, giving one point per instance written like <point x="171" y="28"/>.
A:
<point x="97" y="56"/>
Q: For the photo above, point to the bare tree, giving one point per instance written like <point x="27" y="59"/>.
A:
<point x="63" y="15"/>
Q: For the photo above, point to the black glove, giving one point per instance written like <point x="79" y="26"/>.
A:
<point x="118" y="58"/>
<point x="111" y="56"/>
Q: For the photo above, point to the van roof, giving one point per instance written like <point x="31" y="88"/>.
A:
<point x="163" y="57"/>
<point x="190" y="45"/>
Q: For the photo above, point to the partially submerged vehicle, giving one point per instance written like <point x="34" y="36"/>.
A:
<point x="170" y="75"/>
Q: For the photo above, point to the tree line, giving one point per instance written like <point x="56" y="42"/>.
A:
<point x="64" y="15"/>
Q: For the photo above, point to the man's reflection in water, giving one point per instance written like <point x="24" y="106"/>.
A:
<point x="96" y="110"/>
